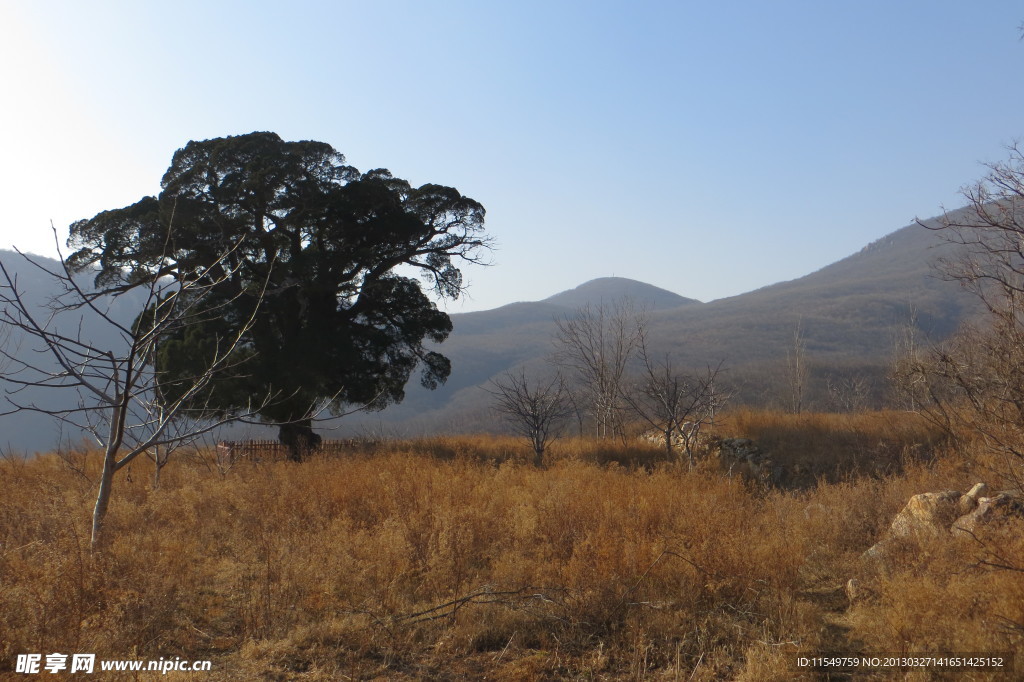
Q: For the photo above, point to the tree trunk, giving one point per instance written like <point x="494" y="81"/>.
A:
<point x="299" y="438"/>
<point x="160" y="458"/>
<point x="538" y="456"/>
<point x="115" y="437"/>
<point x="99" y="511"/>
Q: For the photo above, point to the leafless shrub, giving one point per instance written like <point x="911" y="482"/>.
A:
<point x="973" y="385"/>
<point x="120" y="398"/>
<point x="537" y="412"/>
<point x="797" y="373"/>
<point x="675" y="404"/>
<point x="596" y="344"/>
<point x="848" y="393"/>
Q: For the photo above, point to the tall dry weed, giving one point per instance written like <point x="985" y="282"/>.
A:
<point x="455" y="558"/>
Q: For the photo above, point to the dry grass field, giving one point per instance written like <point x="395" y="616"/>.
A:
<point x="453" y="559"/>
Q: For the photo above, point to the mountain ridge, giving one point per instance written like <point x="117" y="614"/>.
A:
<point x="849" y="312"/>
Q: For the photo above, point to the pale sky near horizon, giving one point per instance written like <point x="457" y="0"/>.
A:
<point x="706" y="148"/>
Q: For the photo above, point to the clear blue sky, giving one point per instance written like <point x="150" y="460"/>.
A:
<point x="707" y="148"/>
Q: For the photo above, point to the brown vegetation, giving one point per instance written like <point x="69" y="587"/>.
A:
<point x="454" y="558"/>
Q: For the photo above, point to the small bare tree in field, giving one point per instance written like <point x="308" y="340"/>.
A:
<point x="848" y="393"/>
<point x="676" y="405"/>
<point x="537" y="411"/>
<point x="123" y="399"/>
<point x="907" y="348"/>
<point x="796" y="366"/>
<point x="974" y="383"/>
<point x="597" y="343"/>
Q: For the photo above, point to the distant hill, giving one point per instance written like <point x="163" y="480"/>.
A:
<point x="850" y="313"/>
<point x="487" y="343"/>
<point x="848" y="310"/>
<point x="612" y="288"/>
<point x="594" y="292"/>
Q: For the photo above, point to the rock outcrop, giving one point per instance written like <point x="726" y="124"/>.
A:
<point x="927" y="515"/>
<point x="989" y="512"/>
<point x="936" y="516"/>
<point x="743" y="457"/>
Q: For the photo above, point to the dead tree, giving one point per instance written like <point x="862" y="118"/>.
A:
<point x="596" y="344"/>
<point x="537" y="411"/>
<point x="974" y="383"/>
<point x="673" y="403"/>
<point x="796" y="365"/>
<point x="121" y="400"/>
<point x="904" y="382"/>
<point x="849" y="392"/>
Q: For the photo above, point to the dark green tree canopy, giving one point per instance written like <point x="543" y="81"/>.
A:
<point x="329" y="256"/>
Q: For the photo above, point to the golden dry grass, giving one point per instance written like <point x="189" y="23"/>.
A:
<point x="837" y="445"/>
<point x="452" y="558"/>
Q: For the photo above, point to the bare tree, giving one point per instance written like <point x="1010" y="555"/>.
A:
<point x="796" y="364"/>
<point x="974" y="383"/>
<point x="537" y="411"/>
<point x="907" y="349"/>
<point x="849" y="392"/>
<point x="579" y="410"/>
<point x="121" y="397"/>
<point x="989" y="234"/>
<point x="596" y="343"/>
<point x="676" y="405"/>
<point x="973" y="386"/>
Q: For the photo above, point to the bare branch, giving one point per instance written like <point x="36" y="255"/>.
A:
<point x="537" y="412"/>
<point x="597" y="344"/>
<point x="974" y="383"/>
<point x="676" y="405"/>
<point x="120" y="398"/>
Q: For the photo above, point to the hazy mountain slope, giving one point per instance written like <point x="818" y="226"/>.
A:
<point x="28" y="431"/>
<point x="848" y="310"/>
<point x="850" y="313"/>
<point x="487" y="343"/>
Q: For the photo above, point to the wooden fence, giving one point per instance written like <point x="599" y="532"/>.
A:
<point x="231" y="451"/>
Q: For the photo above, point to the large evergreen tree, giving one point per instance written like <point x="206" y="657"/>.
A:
<point x="330" y="261"/>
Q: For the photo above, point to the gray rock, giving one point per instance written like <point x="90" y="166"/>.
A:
<point x="934" y="516"/>
<point x="989" y="512"/>
<point x="927" y="515"/>
<point x="970" y="499"/>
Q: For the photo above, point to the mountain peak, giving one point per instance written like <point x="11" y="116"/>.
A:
<point x="607" y="289"/>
